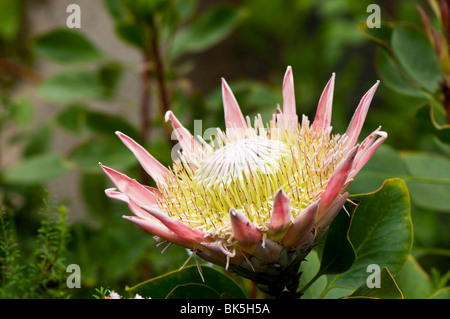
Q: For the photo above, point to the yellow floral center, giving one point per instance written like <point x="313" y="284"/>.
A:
<point x="244" y="174"/>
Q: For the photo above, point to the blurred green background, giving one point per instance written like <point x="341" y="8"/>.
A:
<point x="64" y="92"/>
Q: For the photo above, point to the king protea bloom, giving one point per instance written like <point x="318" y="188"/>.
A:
<point x="258" y="196"/>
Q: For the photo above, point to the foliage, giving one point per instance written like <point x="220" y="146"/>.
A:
<point x="401" y="221"/>
<point x="39" y="271"/>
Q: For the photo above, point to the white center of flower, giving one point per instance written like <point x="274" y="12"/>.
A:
<point x="242" y="158"/>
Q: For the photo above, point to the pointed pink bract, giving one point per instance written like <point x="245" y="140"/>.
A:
<point x="324" y="108"/>
<point x="243" y="230"/>
<point x="150" y="164"/>
<point x="233" y="113"/>
<point x="356" y="124"/>
<point x="281" y="213"/>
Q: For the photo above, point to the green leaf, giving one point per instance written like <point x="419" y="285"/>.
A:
<point x="206" y="30"/>
<point x="443" y="293"/>
<point x="390" y="76"/>
<point x="131" y="33"/>
<point x="308" y="270"/>
<point x="388" y="288"/>
<point x="413" y="281"/>
<point x="380" y="232"/>
<point x="429" y="181"/>
<point x="428" y="123"/>
<point x="10" y="18"/>
<point x="71" y="86"/>
<point x="66" y="46"/>
<point x="92" y="188"/>
<point x="200" y="291"/>
<point x="338" y="254"/>
<point x="108" y="150"/>
<point x="36" y="169"/>
<point x="72" y="118"/>
<point x="162" y="286"/>
<point x="414" y="53"/>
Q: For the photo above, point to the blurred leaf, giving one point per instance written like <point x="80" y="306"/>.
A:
<point x="10" y="18"/>
<point x="92" y="189"/>
<point x="36" y="169"/>
<point x="108" y="150"/>
<point x="441" y="294"/>
<point x="429" y="180"/>
<point x="39" y="141"/>
<point x="381" y="36"/>
<point x="206" y="30"/>
<point x="22" y="111"/>
<point x="109" y="75"/>
<point x="71" y="86"/>
<point x="388" y="288"/>
<point x="114" y="8"/>
<point x="131" y="33"/>
<point x="413" y="281"/>
<point x="338" y="254"/>
<point x="72" y="118"/>
<point x="380" y="232"/>
<point x="161" y="287"/>
<point x="66" y="46"/>
<point x="185" y="8"/>
<point x="108" y="124"/>
<point x="416" y="56"/>
<point x="390" y="76"/>
<point x="427" y="122"/>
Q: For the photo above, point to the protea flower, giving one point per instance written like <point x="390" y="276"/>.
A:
<point x="257" y="197"/>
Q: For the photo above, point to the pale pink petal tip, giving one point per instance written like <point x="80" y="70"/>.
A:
<point x="281" y="214"/>
<point x="244" y="231"/>
<point x="324" y="108"/>
<point x="187" y="141"/>
<point x="289" y="108"/>
<point x="130" y="187"/>
<point x="233" y="113"/>
<point x="151" y="165"/>
<point x="356" y="124"/>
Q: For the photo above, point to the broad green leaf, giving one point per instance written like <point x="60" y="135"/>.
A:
<point x="72" y="86"/>
<point x="391" y="77"/>
<point x="308" y="270"/>
<point x="66" y="46"/>
<point x="338" y="254"/>
<point x="200" y="291"/>
<point x="38" y="141"/>
<point x="388" y="288"/>
<point x="380" y="232"/>
<point x="160" y="287"/>
<point x="413" y="281"/>
<point x="414" y="53"/>
<point x="108" y="150"/>
<point x="429" y="180"/>
<point x="36" y="169"/>
<point x="206" y="30"/>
